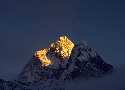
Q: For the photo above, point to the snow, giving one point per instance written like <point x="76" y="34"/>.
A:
<point x="62" y="71"/>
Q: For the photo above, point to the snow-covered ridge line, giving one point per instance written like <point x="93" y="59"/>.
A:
<point x="64" y="60"/>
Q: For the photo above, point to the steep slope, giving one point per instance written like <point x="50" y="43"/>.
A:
<point x="64" y="60"/>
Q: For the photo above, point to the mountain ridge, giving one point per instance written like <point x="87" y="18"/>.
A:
<point x="63" y="60"/>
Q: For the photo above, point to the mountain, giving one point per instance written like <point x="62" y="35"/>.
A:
<point x="10" y="85"/>
<point x="63" y="60"/>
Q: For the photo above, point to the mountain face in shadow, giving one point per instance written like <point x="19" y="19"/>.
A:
<point x="63" y="60"/>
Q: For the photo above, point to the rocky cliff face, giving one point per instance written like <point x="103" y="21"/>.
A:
<point x="63" y="60"/>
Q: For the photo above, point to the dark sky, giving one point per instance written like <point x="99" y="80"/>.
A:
<point x="26" y="25"/>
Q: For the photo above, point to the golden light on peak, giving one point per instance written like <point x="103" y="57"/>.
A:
<point x="41" y="55"/>
<point x="63" y="47"/>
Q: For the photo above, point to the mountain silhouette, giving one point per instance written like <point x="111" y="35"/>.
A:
<point x="62" y="60"/>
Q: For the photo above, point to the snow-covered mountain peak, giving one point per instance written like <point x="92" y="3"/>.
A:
<point x="62" y="60"/>
<point x="61" y="49"/>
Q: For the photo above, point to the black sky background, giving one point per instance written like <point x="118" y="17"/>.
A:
<point x="27" y="25"/>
